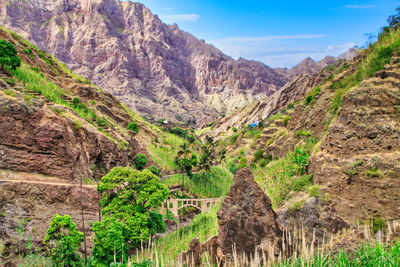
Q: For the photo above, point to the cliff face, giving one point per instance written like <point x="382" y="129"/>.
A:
<point x="152" y="67"/>
<point x="56" y="129"/>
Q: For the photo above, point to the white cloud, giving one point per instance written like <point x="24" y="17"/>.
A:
<point x="179" y="18"/>
<point x="279" y="51"/>
<point x="272" y="37"/>
<point x="360" y="6"/>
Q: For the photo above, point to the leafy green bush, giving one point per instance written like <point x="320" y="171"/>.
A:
<point x="232" y="165"/>
<point x="302" y="132"/>
<point x="8" y="56"/>
<point x="234" y="129"/>
<point x="109" y="241"/>
<point x="259" y="154"/>
<point x="133" y="126"/>
<point x="9" y="81"/>
<point x="140" y="161"/>
<point x="155" y="223"/>
<point x="374" y="173"/>
<point x="10" y="93"/>
<point x="290" y="106"/>
<point x="302" y="182"/>
<point x="285" y="120"/>
<point x="242" y="163"/>
<point x="129" y="196"/>
<point x="63" y="239"/>
<point x="378" y="224"/>
<point x="299" y="159"/>
<point x="155" y="170"/>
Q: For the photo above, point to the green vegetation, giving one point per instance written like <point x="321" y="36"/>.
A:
<point x="374" y="173"/>
<point x="129" y="196"/>
<point x="365" y="255"/>
<point x="9" y="81"/>
<point x="202" y="227"/>
<point x="140" y="161"/>
<point x="64" y="239"/>
<point x="279" y="177"/>
<point x="10" y="93"/>
<point x="8" y="56"/>
<point x="156" y="171"/>
<point x="217" y="184"/>
<point x="378" y="224"/>
<point x="377" y="55"/>
<point x="133" y="126"/>
<point x="311" y="96"/>
<point x="285" y="120"/>
<point x="301" y="133"/>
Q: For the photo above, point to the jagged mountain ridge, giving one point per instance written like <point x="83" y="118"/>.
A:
<point x="154" y="68"/>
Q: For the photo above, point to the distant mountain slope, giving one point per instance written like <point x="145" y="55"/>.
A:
<point x="154" y="68"/>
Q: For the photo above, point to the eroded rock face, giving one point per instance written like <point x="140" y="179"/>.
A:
<point x="248" y="227"/>
<point x="155" y="68"/>
<point x="247" y="221"/>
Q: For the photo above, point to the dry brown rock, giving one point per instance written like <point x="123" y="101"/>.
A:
<point x="192" y="256"/>
<point x="247" y="222"/>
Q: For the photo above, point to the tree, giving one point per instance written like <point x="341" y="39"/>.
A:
<point x="129" y="196"/>
<point x="140" y="161"/>
<point x="64" y="239"/>
<point x="133" y="126"/>
<point x="8" y="55"/>
<point x="206" y="159"/>
<point x="109" y="242"/>
<point x="185" y="160"/>
<point x="394" y="20"/>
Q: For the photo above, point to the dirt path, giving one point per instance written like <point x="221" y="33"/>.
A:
<point x="44" y="183"/>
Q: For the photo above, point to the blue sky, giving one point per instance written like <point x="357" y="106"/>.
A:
<point x="279" y="33"/>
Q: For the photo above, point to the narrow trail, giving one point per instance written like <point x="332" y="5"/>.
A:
<point x="44" y="183"/>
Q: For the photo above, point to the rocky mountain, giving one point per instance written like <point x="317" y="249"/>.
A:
<point x="154" y="68"/>
<point x="56" y="129"/>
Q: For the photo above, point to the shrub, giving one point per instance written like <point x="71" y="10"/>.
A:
<point x="140" y="161"/>
<point x="234" y="129"/>
<point x="8" y="55"/>
<point x="232" y="165"/>
<point x="9" y="81"/>
<point x="302" y="182"/>
<point x="259" y="154"/>
<point x="64" y="239"/>
<point x="133" y="126"/>
<point x="302" y="132"/>
<point x="285" y="120"/>
<point x="378" y="224"/>
<point x="374" y="173"/>
<point x="263" y="163"/>
<point x="102" y="122"/>
<point x="290" y="106"/>
<point x="296" y="206"/>
<point x="242" y="163"/>
<point x="308" y="100"/>
<point x="77" y="125"/>
<point x="155" y="170"/>
<point x="10" y="93"/>
<point x="156" y="223"/>
<point x="314" y="191"/>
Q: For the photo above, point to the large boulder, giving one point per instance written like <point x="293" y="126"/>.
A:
<point x="248" y="225"/>
<point x="248" y="228"/>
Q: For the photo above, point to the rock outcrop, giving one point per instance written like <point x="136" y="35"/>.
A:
<point x="248" y="227"/>
<point x="247" y="223"/>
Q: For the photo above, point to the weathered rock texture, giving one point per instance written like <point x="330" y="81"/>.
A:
<point x="152" y="67"/>
<point x="38" y="135"/>
<point x="248" y="228"/>
<point x="247" y="223"/>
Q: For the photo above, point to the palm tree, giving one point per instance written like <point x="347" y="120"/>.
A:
<point x="183" y="160"/>
<point x="206" y="159"/>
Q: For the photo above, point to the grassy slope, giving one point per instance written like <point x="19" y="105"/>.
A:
<point x="275" y="177"/>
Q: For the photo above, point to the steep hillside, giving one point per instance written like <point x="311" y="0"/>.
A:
<point x="333" y="137"/>
<point x="56" y="130"/>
